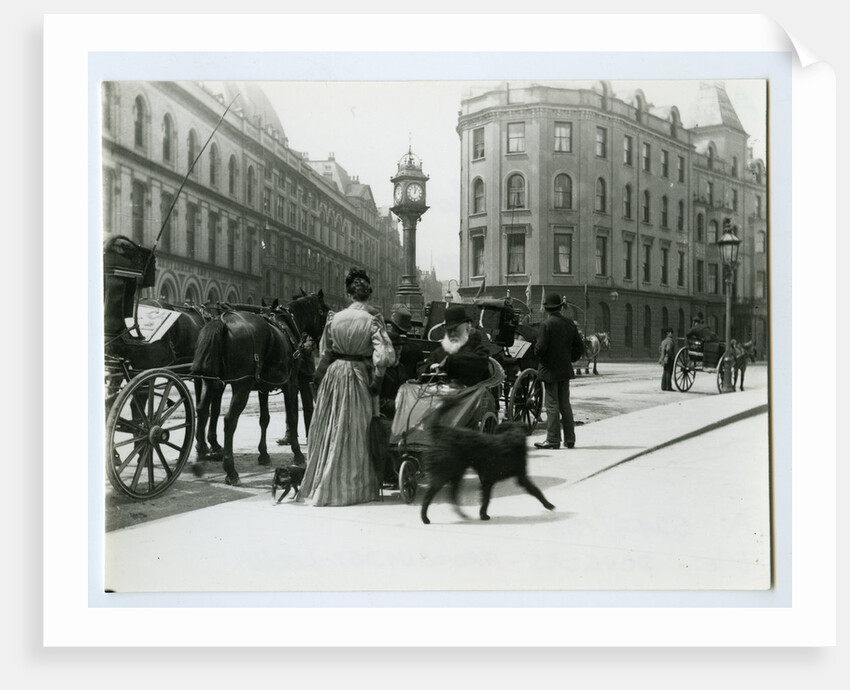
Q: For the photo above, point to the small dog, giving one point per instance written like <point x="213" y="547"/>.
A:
<point x="287" y="478"/>
<point x="451" y="451"/>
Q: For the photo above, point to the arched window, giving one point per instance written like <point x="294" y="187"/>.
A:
<point x="191" y="150"/>
<point x="139" y="121"/>
<point x="734" y="166"/>
<point x="250" y="189"/>
<point x="167" y="138"/>
<point x="664" y="212"/>
<point x="164" y="207"/>
<point x="700" y="228"/>
<point x="214" y="158"/>
<point x="516" y="191"/>
<point x="712" y="232"/>
<point x="711" y="157"/>
<point x="645" y="207"/>
<point x="606" y="318"/>
<point x="192" y="295"/>
<point x="138" y="200"/>
<point x="627" y="201"/>
<point x="478" y="196"/>
<point x="232" y="175"/>
<point x="165" y="293"/>
<point x="665" y="318"/>
<point x="563" y="191"/>
<point x="601" y="196"/>
<point x="647" y="326"/>
<point x="629" y="325"/>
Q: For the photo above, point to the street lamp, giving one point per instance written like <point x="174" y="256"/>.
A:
<point x="728" y="244"/>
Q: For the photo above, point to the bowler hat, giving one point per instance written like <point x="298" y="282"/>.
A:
<point x="552" y="301"/>
<point x="401" y="319"/>
<point x="456" y="315"/>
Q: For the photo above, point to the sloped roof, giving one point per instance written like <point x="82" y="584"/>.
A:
<point x="714" y="107"/>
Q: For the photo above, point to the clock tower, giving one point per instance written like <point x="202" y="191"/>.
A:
<point x="409" y="205"/>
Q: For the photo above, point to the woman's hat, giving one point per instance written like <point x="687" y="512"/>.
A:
<point x="456" y="315"/>
<point x="552" y="301"/>
<point x="401" y="319"/>
<point x="667" y="330"/>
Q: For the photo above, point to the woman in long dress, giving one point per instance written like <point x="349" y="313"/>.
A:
<point x="355" y="341"/>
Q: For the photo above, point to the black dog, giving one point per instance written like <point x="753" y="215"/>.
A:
<point x="451" y="451"/>
<point x="287" y="478"/>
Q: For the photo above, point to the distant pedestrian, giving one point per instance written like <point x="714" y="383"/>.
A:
<point x="666" y="351"/>
<point x="558" y="345"/>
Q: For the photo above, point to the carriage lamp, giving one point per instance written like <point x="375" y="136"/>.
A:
<point x="728" y="244"/>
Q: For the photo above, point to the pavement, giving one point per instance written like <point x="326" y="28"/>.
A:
<point x="255" y="545"/>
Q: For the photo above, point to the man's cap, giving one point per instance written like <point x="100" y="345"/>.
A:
<point x="401" y="319"/>
<point x="552" y="301"/>
<point x="456" y="315"/>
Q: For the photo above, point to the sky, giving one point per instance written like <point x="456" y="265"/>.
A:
<point x="369" y="126"/>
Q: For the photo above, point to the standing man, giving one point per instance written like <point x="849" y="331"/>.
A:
<point x="666" y="352"/>
<point x="558" y="346"/>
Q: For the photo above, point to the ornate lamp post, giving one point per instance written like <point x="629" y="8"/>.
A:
<point x="729" y="244"/>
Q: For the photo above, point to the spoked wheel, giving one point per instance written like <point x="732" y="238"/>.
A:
<point x="488" y="423"/>
<point x="684" y="371"/>
<point x="721" y="365"/>
<point x="526" y="400"/>
<point x="408" y="477"/>
<point x="149" y="434"/>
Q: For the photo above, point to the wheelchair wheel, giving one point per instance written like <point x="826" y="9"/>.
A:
<point x="408" y="477"/>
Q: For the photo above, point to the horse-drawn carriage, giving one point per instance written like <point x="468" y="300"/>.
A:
<point x="697" y="355"/>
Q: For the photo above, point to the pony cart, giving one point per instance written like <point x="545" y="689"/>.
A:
<point x="697" y="355"/>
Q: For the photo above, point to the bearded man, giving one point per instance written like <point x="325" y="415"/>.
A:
<point x="462" y="354"/>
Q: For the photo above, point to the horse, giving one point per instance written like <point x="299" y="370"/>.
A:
<point x="593" y="344"/>
<point x="253" y="349"/>
<point x="742" y="353"/>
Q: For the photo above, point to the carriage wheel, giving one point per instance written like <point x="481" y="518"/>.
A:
<point x="526" y="401"/>
<point x="734" y="377"/>
<point x="488" y="423"/>
<point x="149" y="434"/>
<point x="684" y="371"/>
<point x="407" y="478"/>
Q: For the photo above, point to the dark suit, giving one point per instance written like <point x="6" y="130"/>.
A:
<point x="468" y="366"/>
<point x="558" y="345"/>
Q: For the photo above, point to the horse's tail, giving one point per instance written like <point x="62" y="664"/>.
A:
<point x="208" y="353"/>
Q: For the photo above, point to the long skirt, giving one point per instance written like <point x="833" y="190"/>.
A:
<point x="339" y="467"/>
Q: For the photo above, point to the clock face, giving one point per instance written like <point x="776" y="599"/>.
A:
<point x="398" y="193"/>
<point x="414" y="192"/>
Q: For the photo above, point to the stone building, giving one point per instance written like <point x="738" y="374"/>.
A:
<point x="614" y="203"/>
<point x="255" y="219"/>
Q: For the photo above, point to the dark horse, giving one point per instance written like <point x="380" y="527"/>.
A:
<point x="253" y="350"/>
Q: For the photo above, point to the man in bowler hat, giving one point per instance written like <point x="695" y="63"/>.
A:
<point x="558" y="345"/>
<point x="462" y="354"/>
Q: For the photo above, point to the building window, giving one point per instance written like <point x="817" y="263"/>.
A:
<point x="700" y="228"/>
<point x="665" y="265"/>
<point x="709" y="193"/>
<point x="760" y="241"/>
<point x="680" y="220"/>
<point x="627" y="201"/>
<point x="712" y="232"/>
<point x="665" y="318"/>
<point x="280" y="208"/>
<point x="644" y="213"/>
<point x="214" y="158"/>
<point x="108" y="201"/>
<point x="139" y="122"/>
<point x="665" y="164"/>
<point x="251" y="182"/>
<point x="680" y="331"/>
<point x="758" y="206"/>
<point x="664" y="212"/>
<point x="477" y="252"/>
<point x="761" y="282"/>
<point x="564" y="136"/>
<point x="680" y="271"/>
<point x="232" y="175"/>
<point x="734" y="166"/>
<point x="191" y="151"/>
<point x="477" y="143"/>
<point x="563" y="191"/>
<point x="627" y="258"/>
<point x="628" y="149"/>
<point x="516" y="253"/>
<point x="601" y="199"/>
<point x="516" y="191"/>
<point x="164" y="207"/>
<point x="193" y="221"/>
<point x="212" y="227"/>
<point x="478" y="196"/>
<point x="629" y="326"/>
<point x="734" y="199"/>
<point x="601" y="142"/>
<point x="231" y="244"/>
<point x="563" y="252"/>
<point x="107" y="104"/>
<point x="646" y="266"/>
<point x="712" y="278"/>
<point x="601" y="256"/>
<point x="167" y="138"/>
<point x="647" y="158"/>
<point x="680" y="169"/>
<point x="249" y="252"/>
<point x="710" y="158"/>
<point x="293" y="216"/>
<point x="138" y="202"/>
<point x="647" y="326"/>
<point x="516" y="137"/>
<point x="700" y="286"/>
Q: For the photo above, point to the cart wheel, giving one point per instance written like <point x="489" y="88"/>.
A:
<point x="720" y="367"/>
<point x="149" y="434"/>
<point x="407" y="478"/>
<point x="489" y="422"/>
<point x="684" y="371"/>
<point x="526" y="401"/>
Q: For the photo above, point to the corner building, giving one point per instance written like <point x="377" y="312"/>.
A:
<point x="256" y="220"/>
<point x="616" y="205"/>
